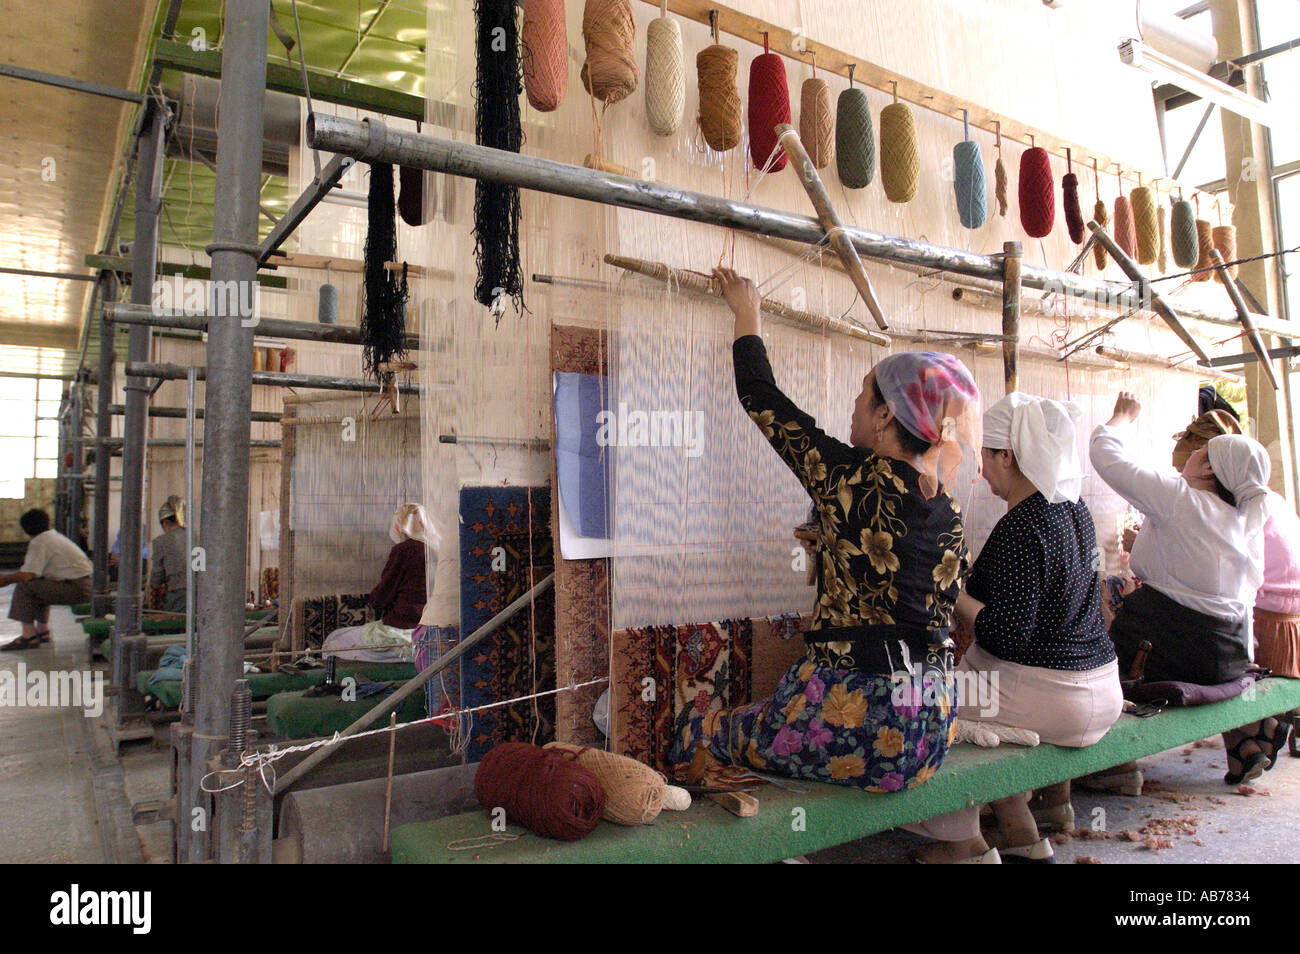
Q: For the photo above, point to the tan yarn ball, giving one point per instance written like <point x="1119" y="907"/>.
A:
<point x="609" y="32"/>
<point x="1145" y="225"/>
<point x="634" y="793"/>
<point x="665" y="80"/>
<point x="817" y="121"/>
<point x="1224" y="238"/>
<point x="720" y="110"/>
<point x="545" y="54"/>
<point x="1102" y="218"/>
<point x="900" y="159"/>
<point x="1205" y="241"/>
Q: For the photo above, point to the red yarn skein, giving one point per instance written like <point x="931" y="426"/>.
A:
<point x="1037" y="192"/>
<point x="769" y="105"/>
<point x="545" y="790"/>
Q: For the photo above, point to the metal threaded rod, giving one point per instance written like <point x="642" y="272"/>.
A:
<point x="190" y="676"/>
<point x="241" y="713"/>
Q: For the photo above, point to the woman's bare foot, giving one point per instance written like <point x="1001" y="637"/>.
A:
<point x="951" y="852"/>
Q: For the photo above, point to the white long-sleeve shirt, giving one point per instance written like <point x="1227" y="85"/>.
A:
<point x="1192" y="547"/>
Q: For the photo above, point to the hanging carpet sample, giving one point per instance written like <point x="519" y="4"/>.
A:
<point x="500" y="542"/>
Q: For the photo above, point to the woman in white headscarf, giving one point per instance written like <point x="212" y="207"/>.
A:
<point x="398" y="598"/>
<point x="1033" y="603"/>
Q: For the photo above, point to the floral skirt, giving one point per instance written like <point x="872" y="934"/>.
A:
<point x="832" y="725"/>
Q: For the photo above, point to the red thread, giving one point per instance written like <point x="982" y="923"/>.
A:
<point x="1036" y="192"/>
<point x="545" y="790"/>
<point x="769" y="105"/>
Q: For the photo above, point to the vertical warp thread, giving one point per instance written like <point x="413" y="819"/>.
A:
<point x="665" y="81"/>
<point x="497" y="85"/>
<point x="816" y="122"/>
<point x="720" y="114"/>
<point x="609" y="32"/>
<point x="544" y="41"/>
<point x="383" y="310"/>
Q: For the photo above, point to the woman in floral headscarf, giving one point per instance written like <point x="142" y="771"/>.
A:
<point x="870" y="703"/>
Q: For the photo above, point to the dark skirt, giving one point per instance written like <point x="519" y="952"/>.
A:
<point x="1186" y="646"/>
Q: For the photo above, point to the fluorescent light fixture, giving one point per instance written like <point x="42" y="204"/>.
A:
<point x="1166" y="68"/>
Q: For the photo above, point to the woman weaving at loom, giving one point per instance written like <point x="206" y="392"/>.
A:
<point x="1033" y="601"/>
<point x="892" y="550"/>
<point x="397" y="599"/>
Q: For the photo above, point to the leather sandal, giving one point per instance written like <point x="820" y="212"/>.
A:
<point x="23" y="642"/>
<point x="1039" y="853"/>
<point x="1252" y="766"/>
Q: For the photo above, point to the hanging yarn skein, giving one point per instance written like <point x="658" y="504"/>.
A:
<point x="968" y="178"/>
<point x="609" y="33"/>
<point x="900" y="159"/>
<point x="410" y="202"/>
<point x="544" y="41"/>
<point x="497" y="85"/>
<point x="1145" y="227"/>
<point x="1182" y="234"/>
<point x="544" y="790"/>
<point x="665" y="79"/>
<point x="1036" y="192"/>
<point x="816" y="122"/>
<point x="1224" y="238"/>
<point x="855" y="140"/>
<point x="769" y="106"/>
<point x="1070" y="200"/>
<point x="1204" y="245"/>
<point x="1000" y="178"/>
<point x="1099" y="216"/>
<point x="1125" y="233"/>
<point x="720" y="114"/>
<point x="383" y="307"/>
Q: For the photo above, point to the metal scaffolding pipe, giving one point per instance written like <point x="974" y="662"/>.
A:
<point x="224" y="511"/>
<point x="67" y="82"/>
<point x="37" y="273"/>
<point x="282" y="379"/>
<point x="370" y="140"/>
<point x="268" y="327"/>
<point x="148" y="204"/>
<point x="261" y="417"/>
<point x="114" y="442"/>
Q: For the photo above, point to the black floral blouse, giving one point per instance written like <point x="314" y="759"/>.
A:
<point x="890" y="560"/>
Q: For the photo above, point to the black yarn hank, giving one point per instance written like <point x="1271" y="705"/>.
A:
<point x="383" y="309"/>
<point x="497" y="88"/>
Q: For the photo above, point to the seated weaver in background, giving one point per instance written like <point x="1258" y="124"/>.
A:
<point x="1033" y="601"/>
<point x="892" y="550"/>
<point x="397" y="599"/>
<point x="169" y="558"/>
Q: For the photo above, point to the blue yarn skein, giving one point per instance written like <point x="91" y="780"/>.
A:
<point x="968" y="179"/>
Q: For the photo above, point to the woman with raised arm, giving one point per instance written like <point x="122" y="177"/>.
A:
<point x="869" y="705"/>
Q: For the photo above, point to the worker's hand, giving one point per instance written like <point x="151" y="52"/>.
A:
<point x="1127" y="539"/>
<point x="742" y="297"/>
<point x="1127" y="408"/>
<point x="807" y="537"/>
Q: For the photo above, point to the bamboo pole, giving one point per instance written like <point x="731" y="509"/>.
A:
<point x="1252" y="333"/>
<point x="709" y="286"/>
<point x="830" y="220"/>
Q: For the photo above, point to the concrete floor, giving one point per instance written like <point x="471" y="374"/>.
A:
<point x="67" y="799"/>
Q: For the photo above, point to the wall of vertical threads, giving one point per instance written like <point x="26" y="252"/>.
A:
<point x="668" y="348"/>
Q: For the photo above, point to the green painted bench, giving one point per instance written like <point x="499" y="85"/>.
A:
<point x="790" y="824"/>
<point x="263" y="685"/>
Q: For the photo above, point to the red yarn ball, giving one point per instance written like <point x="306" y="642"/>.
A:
<point x="1037" y="192"/>
<point x="769" y="105"/>
<point x="545" y="790"/>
